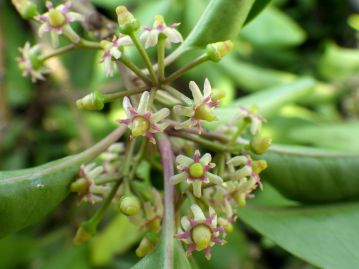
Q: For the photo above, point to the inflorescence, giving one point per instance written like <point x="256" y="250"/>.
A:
<point x="212" y="188"/>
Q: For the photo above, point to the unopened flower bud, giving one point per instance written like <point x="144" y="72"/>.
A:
<point x="92" y="101"/>
<point x="216" y="51"/>
<point x="145" y="247"/>
<point x="126" y="21"/>
<point x="259" y="144"/>
<point x="202" y="235"/>
<point x="259" y="165"/>
<point x="26" y="8"/>
<point x="80" y="185"/>
<point x="228" y="227"/>
<point x="84" y="233"/>
<point x="130" y="205"/>
<point x="240" y="199"/>
<point x="217" y="95"/>
<point x="204" y="112"/>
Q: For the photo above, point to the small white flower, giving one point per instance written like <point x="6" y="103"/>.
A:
<point x="142" y="121"/>
<point x="112" y="50"/>
<point x="255" y="119"/>
<point x="30" y="64"/>
<point x="195" y="171"/>
<point x="150" y="34"/>
<point x="57" y="21"/>
<point x="200" y="232"/>
<point x="201" y="109"/>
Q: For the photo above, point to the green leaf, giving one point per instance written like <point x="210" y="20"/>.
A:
<point x="338" y="136"/>
<point x="251" y="77"/>
<point x="257" y="8"/>
<point x="106" y="244"/>
<point x="312" y="175"/>
<point x="27" y="195"/>
<point x="268" y="30"/>
<point x="155" y="260"/>
<point x="326" y="236"/>
<point x="268" y="101"/>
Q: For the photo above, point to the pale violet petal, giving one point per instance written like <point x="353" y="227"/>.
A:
<point x="214" y="178"/>
<point x="186" y="225"/>
<point x="183" y="111"/>
<point x="198" y="214"/>
<point x="184" y="160"/>
<point x="115" y="52"/>
<point x="125" y="41"/>
<point x="74" y="16"/>
<point x="173" y="35"/>
<point x="212" y="213"/>
<point x="207" y="91"/>
<point x="255" y="125"/>
<point x="197" y="188"/>
<point x="175" y="179"/>
<point x="160" y="115"/>
<point x="205" y="159"/>
<point x="142" y="106"/>
<point x="126" y="105"/>
<point x="152" y="39"/>
<point x="196" y="92"/>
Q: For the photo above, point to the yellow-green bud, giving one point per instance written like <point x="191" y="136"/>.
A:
<point x="259" y="144"/>
<point x="259" y="165"/>
<point x="196" y="170"/>
<point x="228" y="227"/>
<point x="130" y="205"/>
<point x="240" y="199"/>
<point x="126" y="21"/>
<point x="201" y="235"/>
<point x="217" y="95"/>
<point x="140" y="126"/>
<point x="80" y="185"/>
<point x="56" y="18"/>
<point x="204" y="112"/>
<point x="145" y="247"/>
<point x="92" y="101"/>
<point x="216" y="51"/>
<point x="84" y="233"/>
<point x="26" y="8"/>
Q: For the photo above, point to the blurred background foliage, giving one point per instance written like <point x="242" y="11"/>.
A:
<point x="290" y="39"/>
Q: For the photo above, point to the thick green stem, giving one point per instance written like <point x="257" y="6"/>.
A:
<point x="161" y="57"/>
<point x="144" y="55"/>
<point x="127" y="62"/>
<point x="168" y="229"/>
<point x="201" y="59"/>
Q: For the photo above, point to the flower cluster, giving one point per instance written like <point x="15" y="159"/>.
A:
<point x="210" y="190"/>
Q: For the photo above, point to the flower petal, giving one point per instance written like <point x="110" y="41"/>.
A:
<point x="142" y="106"/>
<point x="197" y="188"/>
<point x="160" y="115"/>
<point x="186" y="224"/>
<point x="214" y="178"/>
<point x="126" y="106"/>
<point x="207" y="91"/>
<point x="175" y="179"/>
<point x="183" y="160"/>
<point x="183" y="111"/>
<point x="238" y="160"/>
<point x="205" y="159"/>
<point x="198" y="214"/>
<point x="196" y="92"/>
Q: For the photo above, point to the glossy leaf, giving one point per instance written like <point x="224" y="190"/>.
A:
<point x="257" y="8"/>
<point x="27" y="195"/>
<point x="155" y="260"/>
<point x="312" y="175"/>
<point x="326" y="236"/>
<point x="268" y="28"/>
<point x="106" y="244"/>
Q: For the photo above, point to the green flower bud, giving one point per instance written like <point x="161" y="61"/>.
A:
<point x="145" y="247"/>
<point x="240" y="199"/>
<point x="130" y="205"/>
<point x="217" y="95"/>
<point x="80" y="185"/>
<point x="154" y="225"/>
<point x="140" y="126"/>
<point x="201" y="235"/>
<point x="259" y="165"/>
<point x="126" y="21"/>
<point x="26" y="8"/>
<point x="196" y="170"/>
<point x="204" y="112"/>
<point x="216" y="51"/>
<point x="84" y="233"/>
<point x="260" y="144"/>
<point x="92" y="101"/>
<point x="228" y="227"/>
